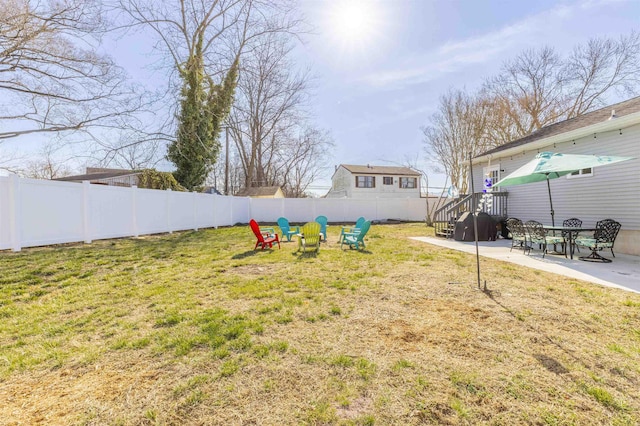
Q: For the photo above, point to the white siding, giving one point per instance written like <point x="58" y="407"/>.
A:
<point x="612" y="192"/>
<point x="343" y="184"/>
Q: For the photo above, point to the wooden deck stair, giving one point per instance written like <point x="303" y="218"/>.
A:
<point x="445" y="217"/>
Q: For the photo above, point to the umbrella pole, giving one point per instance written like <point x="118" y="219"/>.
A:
<point x="553" y="223"/>
<point x="475" y="220"/>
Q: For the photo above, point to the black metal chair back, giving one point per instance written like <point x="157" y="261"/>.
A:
<point x="573" y="222"/>
<point x="518" y="232"/>
<point x="607" y="231"/>
<point x="536" y="231"/>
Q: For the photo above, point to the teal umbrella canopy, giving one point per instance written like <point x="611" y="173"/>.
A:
<point x="551" y="165"/>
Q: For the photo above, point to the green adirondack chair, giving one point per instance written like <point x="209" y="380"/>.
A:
<point x="286" y="229"/>
<point x="356" y="239"/>
<point x="352" y="229"/>
<point x="322" y="220"/>
<point x="310" y="238"/>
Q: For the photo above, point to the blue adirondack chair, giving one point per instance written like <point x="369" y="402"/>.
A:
<point x="322" y="220"/>
<point x="356" y="239"/>
<point x="286" y="229"/>
<point x="352" y="229"/>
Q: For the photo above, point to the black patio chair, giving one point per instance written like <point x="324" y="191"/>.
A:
<point x="518" y="233"/>
<point x="574" y="222"/>
<point x="603" y="238"/>
<point x="538" y="235"/>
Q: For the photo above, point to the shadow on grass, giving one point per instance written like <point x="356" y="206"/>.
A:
<point x="244" y="255"/>
<point x="546" y="361"/>
<point x="363" y="251"/>
<point x="305" y="254"/>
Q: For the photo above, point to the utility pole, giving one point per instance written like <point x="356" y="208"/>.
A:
<point x="226" y="162"/>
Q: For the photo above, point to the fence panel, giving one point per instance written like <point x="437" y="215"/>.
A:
<point x="40" y="212"/>
<point x="152" y="214"/>
<point x="50" y="212"/>
<point x="110" y="211"/>
<point x="5" y="235"/>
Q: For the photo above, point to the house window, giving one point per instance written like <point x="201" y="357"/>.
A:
<point x="387" y="180"/>
<point x="365" y="182"/>
<point x="581" y="173"/>
<point x="406" y="182"/>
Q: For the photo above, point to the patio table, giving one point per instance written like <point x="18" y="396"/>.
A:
<point x="572" y="231"/>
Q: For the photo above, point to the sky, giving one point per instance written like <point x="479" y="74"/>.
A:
<point x="380" y="66"/>
<point x="378" y="83"/>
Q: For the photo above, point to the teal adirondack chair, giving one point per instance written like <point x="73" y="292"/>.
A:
<point x="310" y="237"/>
<point x="352" y="229"/>
<point x="356" y="239"/>
<point x="286" y="229"/>
<point x="322" y="220"/>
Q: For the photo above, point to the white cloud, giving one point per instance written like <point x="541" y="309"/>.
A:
<point x="492" y="47"/>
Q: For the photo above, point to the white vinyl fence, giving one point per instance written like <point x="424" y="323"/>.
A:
<point x="37" y="212"/>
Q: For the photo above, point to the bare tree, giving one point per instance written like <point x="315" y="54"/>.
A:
<point x="536" y="89"/>
<point x="268" y="122"/>
<point x="539" y="87"/>
<point x="52" y="78"/>
<point x="202" y="43"/>
<point x="529" y="92"/>
<point x="600" y="67"/>
<point x="303" y="161"/>
<point x="456" y="130"/>
<point x="47" y="164"/>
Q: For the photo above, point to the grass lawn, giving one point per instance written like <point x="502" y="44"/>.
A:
<point x="197" y="328"/>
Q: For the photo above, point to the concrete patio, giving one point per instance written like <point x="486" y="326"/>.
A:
<point x="623" y="272"/>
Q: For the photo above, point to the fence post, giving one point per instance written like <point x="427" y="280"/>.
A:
<point x="195" y="211"/>
<point x="134" y="208"/>
<point x="169" y="211"/>
<point x="86" y="229"/>
<point x="216" y="201"/>
<point x="15" y="222"/>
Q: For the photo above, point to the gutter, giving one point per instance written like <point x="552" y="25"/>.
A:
<point x="605" y="126"/>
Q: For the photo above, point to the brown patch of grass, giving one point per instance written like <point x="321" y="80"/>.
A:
<point x="196" y="328"/>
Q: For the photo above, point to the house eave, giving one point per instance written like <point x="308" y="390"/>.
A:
<point x="617" y="123"/>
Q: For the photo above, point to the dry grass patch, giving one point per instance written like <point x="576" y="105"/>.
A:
<point x="197" y="328"/>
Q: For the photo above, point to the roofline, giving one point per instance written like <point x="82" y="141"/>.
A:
<point x="605" y="126"/>
<point x="415" y="172"/>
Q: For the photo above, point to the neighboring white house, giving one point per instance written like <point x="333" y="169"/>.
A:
<point x="611" y="191"/>
<point x="374" y="182"/>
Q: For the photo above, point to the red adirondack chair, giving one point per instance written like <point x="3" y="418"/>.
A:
<point x="265" y="238"/>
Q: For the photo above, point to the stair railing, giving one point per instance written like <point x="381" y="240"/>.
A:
<point x="445" y="216"/>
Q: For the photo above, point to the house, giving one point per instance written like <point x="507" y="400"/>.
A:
<point x="350" y="181"/>
<point x="590" y="194"/>
<point x="261" y="192"/>
<point x="102" y="176"/>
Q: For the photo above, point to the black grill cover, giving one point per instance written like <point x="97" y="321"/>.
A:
<point x="463" y="230"/>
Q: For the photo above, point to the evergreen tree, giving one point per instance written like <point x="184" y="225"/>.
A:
<point x="203" y="107"/>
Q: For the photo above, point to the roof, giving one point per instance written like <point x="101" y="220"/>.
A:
<point x="110" y="173"/>
<point x="380" y="170"/>
<point x="621" y="109"/>
<point x="258" y="191"/>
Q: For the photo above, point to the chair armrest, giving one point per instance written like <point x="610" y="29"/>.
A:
<point x="267" y="230"/>
<point x="349" y="229"/>
<point x="355" y="233"/>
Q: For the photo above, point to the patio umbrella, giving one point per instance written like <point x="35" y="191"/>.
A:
<point x="552" y="165"/>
